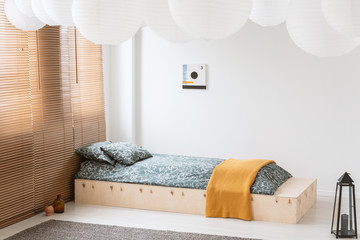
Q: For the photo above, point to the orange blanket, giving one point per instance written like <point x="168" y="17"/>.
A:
<point x="228" y="191"/>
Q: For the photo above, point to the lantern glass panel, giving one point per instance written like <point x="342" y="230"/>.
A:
<point x="336" y="209"/>
<point x="344" y="220"/>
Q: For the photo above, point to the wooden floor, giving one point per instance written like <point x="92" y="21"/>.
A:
<point x="315" y="225"/>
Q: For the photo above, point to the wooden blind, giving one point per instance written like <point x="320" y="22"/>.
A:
<point x="51" y="102"/>
<point x="55" y="162"/>
<point x="88" y="100"/>
<point x="16" y="139"/>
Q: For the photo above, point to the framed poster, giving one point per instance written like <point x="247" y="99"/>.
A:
<point x="194" y="76"/>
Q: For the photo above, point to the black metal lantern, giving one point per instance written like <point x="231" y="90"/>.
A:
<point x="344" y="215"/>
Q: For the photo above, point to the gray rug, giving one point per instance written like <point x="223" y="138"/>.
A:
<point x="60" y="230"/>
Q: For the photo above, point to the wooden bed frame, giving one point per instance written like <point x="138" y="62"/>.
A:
<point x="289" y="204"/>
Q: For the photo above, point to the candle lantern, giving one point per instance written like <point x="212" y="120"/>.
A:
<point x="344" y="214"/>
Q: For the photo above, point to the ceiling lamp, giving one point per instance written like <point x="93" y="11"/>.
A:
<point x="310" y="32"/>
<point x="59" y="11"/>
<point x="108" y="21"/>
<point x="25" y="7"/>
<point x="210" y="19"/>
<point x="19" y="19"/>
<point x="41" y="14"/>
<point x="343" y="16"/>
<point x="269" y="13"/>
<point x="159" y="20"/>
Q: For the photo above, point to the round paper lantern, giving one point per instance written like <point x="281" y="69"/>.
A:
<point x="59" y="11"/>
<point x="108" y="21"/>
<point x="19" y="19"/>
<point x="158" y="18"/>
<point x="269" y="13"/>
<point x="41" y="14"/>
<point x="310" y="32"/>
<point x="343" y="16"/>
<point x="210" y="19"/>
<point x="25" y="7"/>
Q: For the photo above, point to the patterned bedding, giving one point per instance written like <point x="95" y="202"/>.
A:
<point x="177" y="171"/>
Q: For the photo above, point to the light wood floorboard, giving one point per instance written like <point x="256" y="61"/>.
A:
<point x="315" y="224"/>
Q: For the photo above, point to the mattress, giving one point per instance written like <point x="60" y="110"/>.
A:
<point x="177" y="171"/>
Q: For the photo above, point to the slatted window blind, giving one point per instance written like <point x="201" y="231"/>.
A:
<point x="16" y="138"/>
<point x="51" y="102"/>
<point x="88" y="101"/>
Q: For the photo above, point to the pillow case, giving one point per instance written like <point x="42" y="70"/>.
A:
<point x="94" y="152"/>
<point x="269" y="178"/>
<point x="126" y="153"/>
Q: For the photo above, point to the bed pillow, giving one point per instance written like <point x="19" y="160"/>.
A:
<point x="269" y="178"/>
<point x="94" y="152"/>
<point x="126" y="153"/>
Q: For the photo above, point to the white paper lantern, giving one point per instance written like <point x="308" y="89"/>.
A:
<point x="210" y="19"/>
<point x="108" y="21"/>
<point x="158" y="18"/>
<point x="59" y="11"/>
<point x="310" y="32"/>
<point x="343" y="16"/>
<point x="25" y="7"/>
<point x="19" y="19"/>
<point x="41" y="14"/>
<point x="269" y="13"/>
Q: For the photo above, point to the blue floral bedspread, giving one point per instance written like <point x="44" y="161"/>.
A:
<point x="176" y="171"/>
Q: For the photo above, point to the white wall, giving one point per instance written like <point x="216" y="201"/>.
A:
<point x="265" y="99"/>
<point x="119" y="91"/>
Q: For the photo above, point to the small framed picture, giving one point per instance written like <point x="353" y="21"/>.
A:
<point x="194" y="76"/>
